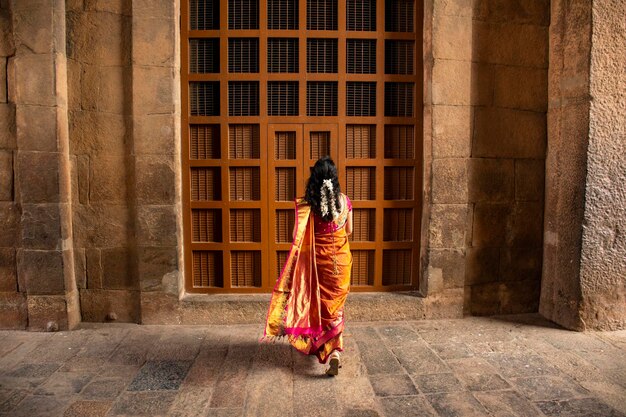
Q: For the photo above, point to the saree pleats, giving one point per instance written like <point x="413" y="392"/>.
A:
<point x="309" y="296"/>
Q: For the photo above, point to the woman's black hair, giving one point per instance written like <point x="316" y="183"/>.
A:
<point x="323" y="169"/>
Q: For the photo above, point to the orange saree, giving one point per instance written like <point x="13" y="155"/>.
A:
<point x="308" y="299"/>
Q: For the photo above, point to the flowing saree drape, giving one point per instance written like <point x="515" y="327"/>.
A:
<point x="308" y="299"/>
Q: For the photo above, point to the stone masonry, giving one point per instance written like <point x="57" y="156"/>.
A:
<point x="523" y="144"/>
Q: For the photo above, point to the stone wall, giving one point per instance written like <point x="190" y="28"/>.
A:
<point x="488" y="131"/>
<point x="584" y="285"/>
<point x="37" y="280"/>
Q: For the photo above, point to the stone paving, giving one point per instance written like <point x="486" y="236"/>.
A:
<point x="504" y="366"/>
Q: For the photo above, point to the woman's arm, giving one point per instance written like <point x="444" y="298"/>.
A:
<point x="349" y="223"/>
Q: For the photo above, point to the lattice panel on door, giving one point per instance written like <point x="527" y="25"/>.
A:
<point x="321" y="98"/>
<point x="361" y="183"/>
<point x="204" y="14"/>
<point x="321" y="14"/>
<point x="398" y="225"/>
<point x="399" y="141"/>
<point x="204" y="98"/>
<point x="321" y="55"/>
<point x="243" y="98"/>
<point x="363" y="225"/>
<point x="363" y="267"/>
<point x="244" y="141"/>
<point x="360" y="141"/>
<point x="282" y="14"/>
<point x="245" y="225"/>
<point x="319" y="144"/>
<point x="284" y="225"/>
<point x="245" y="184"/>
<point x="243" y="14"/>
<point x="360" y="98"/>
<point x="399" y="15"/>
<point x="204" y="56"/>
<point x="243" y="55"/>
<point x="282" y="98"/>
<point x="204" y="141"/>
<point x="285" y="184"/>
<point x="282" y="55"/>
<point x="399" y="57"/>
<point x="207" y="225"/>
<point x="397" y="267"/>
<point x="281" y="258"/>
<point x="399" y="183"/>
<point x="399" y="99"/>
<point x="285" y="145"/>
<point x="206" y="184"/>
<point x="361" y="56"/>
<point x="361" y="15"/>
<point x="207" y="269"/>
<point x="245" y="268"/>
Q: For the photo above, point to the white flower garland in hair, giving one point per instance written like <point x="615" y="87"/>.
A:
<point x="326" y="190"/>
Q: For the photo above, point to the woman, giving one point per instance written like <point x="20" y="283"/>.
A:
<point x="307" y="302"/>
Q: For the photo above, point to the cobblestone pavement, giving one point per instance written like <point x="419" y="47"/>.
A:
<point x="506" y="366"/>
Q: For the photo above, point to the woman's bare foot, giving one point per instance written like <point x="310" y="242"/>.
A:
<point x="334" y="365"/>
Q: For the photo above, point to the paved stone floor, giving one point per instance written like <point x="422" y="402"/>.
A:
<point x="506" y="366"/>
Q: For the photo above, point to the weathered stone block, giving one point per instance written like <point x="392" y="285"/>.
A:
<point x="156" y="265"/>
<point x="519" y="264"/>
<point x="82" y="178"/>
<point x="505" y="133"/>
<point x="108" y="179"/>
<point x="521" y="88"/>
<point x="100" y="225"/>
<point x="101" y="305"/>
<point x="452" y="37"/>
<point x="156" y="225"/>
<point x="449" y="180"/>
<point x="8" y="271"/>
<point x="104" y="89"/>
<point x="452" y="82"/>
<point x="41" y="226"/>
<point x="447" y="225"/>
<point x="41" y="183"/>
<point x="531" y="12"/>
<point x="482" y="84"/>
<point x="33" y="30"/>
<point x="13" y="311"/>
<point x="451" y="263"/>
<point x="6" y="176"/>
<point x="154" y="134"/>
<point x="40" y="271"/>
<point x="526" y="228"/>
<point x="491" y="180"/>
<point x="529" y="179"/>
<point x="95" y="133"/>
<point x="37" y="128"/>
<point x="99" y="38"/>
<point x="3" y="80"/>
<point x="491" y="222"/>
<point x="452" y="131"/>
<point x="80" y="267"/>
<point x="153" y="8"/>
<point x="112" y="6"/>
<point x="483" y="265"/>
<point x="7" y="46"/>
<point x="93" y="261"/>
<point x="9" y="224"/>
<point x="156" y="180"/>
<point x="454" y="7"/>
<point x="511" y="44"/>
<point x="158" y="307"/>
<point x="33" y="80"/>
<point x="118" y="269"/>
<point x="74" y="74"/>
<point x="43" y="309"/>
<point x="153" y="41"/>
<point x="7" y="126"/>
<point x="153" y="90"/>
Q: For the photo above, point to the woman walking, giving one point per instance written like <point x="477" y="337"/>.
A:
<point x="308" y="299"/>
